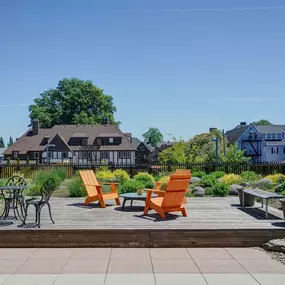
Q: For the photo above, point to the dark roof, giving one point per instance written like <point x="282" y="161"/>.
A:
<point x="269" y="129"/>
<point x="29" y="142"/>
<point x="136" y="142"/>
<point x="79" y="135"/>
<point x="235" y="134"/>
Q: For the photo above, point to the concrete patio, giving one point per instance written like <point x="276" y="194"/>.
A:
<point x="141" y="266"/>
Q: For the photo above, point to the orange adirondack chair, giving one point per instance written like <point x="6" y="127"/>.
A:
<point x="178" y="175"/>
<point x="172" y="199"/>
<point x="94" y="189"/>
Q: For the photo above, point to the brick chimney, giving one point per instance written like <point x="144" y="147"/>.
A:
<point x="35" y="127"/>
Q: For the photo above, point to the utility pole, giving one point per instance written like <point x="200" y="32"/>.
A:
<point x="224" y="142"/>
<point x="217" y="149"/>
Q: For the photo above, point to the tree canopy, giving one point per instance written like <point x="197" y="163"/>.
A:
<point x="2" y="144"/>
<point x="261" y="123"/>
<point x="73" y="101"/>
<point x="202" y="148"/>
<point x="10" y="142"/>
<point x="153" y="136"/>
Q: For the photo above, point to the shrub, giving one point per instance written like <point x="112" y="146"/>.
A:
<point x="3" y="182"/>
<point x="161" y="174"/>
<point x="105" y="176"/>
<point x="131" y="185"/>
<point x="146" y="178"/>
<point x="220" y="189"/>
<point x="209" y="191"/>
<point x="276" y="178"/>
<point x="76" y="189"/>
<point x="40" y="177"/>
<point x="249" y="176"/>
<point x="230" y="179"/>
<point x="218" y="174"/>
<point x="164" y="182"/>
<point x="208" y="180"/>
<point x="121" y="175"/>
<point x="199" y="174"/>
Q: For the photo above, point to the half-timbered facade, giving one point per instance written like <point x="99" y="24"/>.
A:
<point x="79" y="144"/>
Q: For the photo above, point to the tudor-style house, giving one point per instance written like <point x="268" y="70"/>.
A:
<point x="79" y="144"/>
<point x="262" y="143"/>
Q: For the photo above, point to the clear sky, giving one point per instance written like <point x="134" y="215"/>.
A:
<point x="180" y="65"/>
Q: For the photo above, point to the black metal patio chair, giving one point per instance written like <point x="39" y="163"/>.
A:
<point x="9" y="196"/>
<point x="46" y="192"/>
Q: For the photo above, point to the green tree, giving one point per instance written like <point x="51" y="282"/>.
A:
<point x="2" y="144"/>
<point x="174" y="154"/>
<point x="10" y="142"/>
<point x="201" y="148"/>
<point x="261" y="123"/>
<point x="73" y="101"/>
<point x="153" y="136"/>
<point x="234" y="155"/>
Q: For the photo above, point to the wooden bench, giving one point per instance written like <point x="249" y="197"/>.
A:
<point x="264" y="195"/>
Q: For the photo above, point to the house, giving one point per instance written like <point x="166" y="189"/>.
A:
<point x="264" y="143"/>
<point x="79" y="144"/>
<point x="154" y="151"/>
<point x="142" y="151"/>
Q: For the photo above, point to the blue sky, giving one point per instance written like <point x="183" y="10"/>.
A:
<point x="182" y="66"/>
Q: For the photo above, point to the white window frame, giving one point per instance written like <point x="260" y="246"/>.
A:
<point x="111" y="140"/>
<point x="128" y="154"/>
<point x="274" y="136"/>
<point x="15" y="154"/>
<point x="279" y="136"/>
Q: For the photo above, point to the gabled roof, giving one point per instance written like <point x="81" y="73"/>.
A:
<point x="2" y="150"/>
<point x="136" y="142"/>
<point x="269" y="129"/>
<point x="235" y="134"/>
<point x="30" y="142"/>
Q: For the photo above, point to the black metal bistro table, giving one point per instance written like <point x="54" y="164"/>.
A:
<point x="12" y="201"/>
<point x="134" y="196"/>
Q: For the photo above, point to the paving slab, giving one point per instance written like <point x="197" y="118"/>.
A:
<point x="31" y="279"/>
<point x="270" y="279"/>
<point x="174" y="265"/>
<point x="75" y="279"/>
<point x="130" y="279"/>
<point x="179" y="279"/>
<point x="232" y="279"/>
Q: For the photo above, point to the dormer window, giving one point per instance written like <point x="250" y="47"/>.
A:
<point x="111" y="140"/>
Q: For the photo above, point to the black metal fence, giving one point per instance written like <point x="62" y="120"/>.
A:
<point x="155" y="169"/>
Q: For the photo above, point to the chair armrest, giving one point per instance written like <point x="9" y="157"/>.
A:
<point x="154" y="190"/>
<point x="109" y="183"/>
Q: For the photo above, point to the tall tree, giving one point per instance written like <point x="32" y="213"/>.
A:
<point x="10" y="142"/>
<point x="2" y="144"/>
<point x="261" y="123"/>
<point x="73" y="101"/>
<point x="153" y="136"/>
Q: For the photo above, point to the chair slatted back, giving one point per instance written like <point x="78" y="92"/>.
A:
<point x="175" y="193"/>
<point x="176" y="189"/>
<point x="182" y="171"/>
<point x="90" y="182"/>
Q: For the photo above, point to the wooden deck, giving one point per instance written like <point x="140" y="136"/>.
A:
<point x="211" y="222"/>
